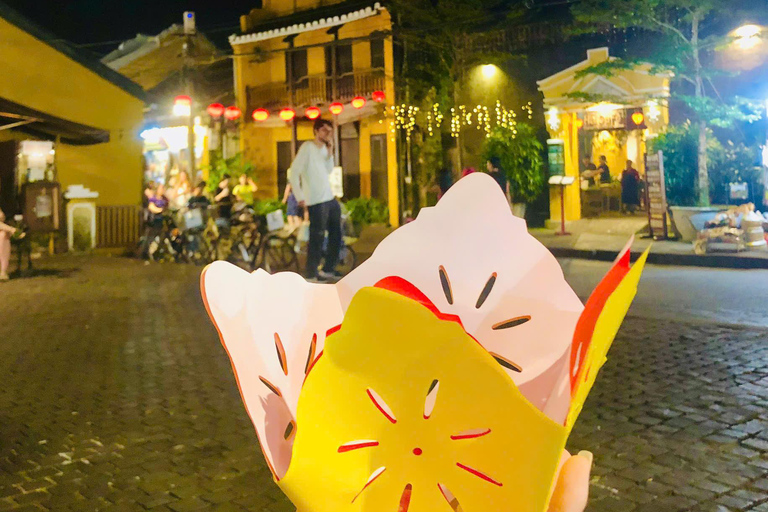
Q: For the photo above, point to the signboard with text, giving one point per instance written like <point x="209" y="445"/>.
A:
<point x="605" y="120"/>
<point x="656" y="195"/>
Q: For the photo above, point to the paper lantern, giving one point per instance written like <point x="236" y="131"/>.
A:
<point x="379" y="96"/>
<point x="638" y="118"/>
<point x="444" y="396"/>
<point x="182" y="100"/>
<point x="182" y="106"/>
<point x="336" y="108"/>
<point x="312" y="113"/>
<point x="232" y="113"/>
<point x="579" y="123"/>
<point x="358" y="102"/>
<point x="260" y="115"/>
<point x="287" y="114"/>
<point x="215" y="110"/>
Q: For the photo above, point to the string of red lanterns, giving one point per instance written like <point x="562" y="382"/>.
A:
<point x="336" y="108"/>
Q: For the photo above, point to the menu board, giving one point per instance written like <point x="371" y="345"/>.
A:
<point x="656" y="195"/>
<point x="556" y="157"/>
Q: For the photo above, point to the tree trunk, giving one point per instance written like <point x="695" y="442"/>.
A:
<point x="703" y="172"/>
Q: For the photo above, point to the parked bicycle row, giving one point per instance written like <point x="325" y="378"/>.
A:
<point x="200" y="233"/>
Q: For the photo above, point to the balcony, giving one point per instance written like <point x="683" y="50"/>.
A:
<point x="316" y="90"/>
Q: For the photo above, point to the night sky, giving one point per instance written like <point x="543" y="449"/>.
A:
<point x="98" y="21"/>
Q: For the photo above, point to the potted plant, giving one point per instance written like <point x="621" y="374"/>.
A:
<point x="520" y="153"/>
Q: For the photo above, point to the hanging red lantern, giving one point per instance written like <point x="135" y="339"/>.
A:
<point x="638" y="118"/>
<point x="260" y="115"/>
<point x="287" y="114"/>
<point x="312" y="113"/>
<point x="336" y="108"/>
<point x="232" y="113"/>
<point x="358" y="102"/>
<point x="215" y="110"/>
<point x="378" y="96"/>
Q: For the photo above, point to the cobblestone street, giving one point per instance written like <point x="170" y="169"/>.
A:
<point x="116" y="395"/>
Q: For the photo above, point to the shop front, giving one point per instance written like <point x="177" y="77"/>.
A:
<point x="600" y="126"/>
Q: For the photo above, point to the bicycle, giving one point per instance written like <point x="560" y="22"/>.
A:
<point x="347" y="255"/>
<point x="253" y="246"/>
<point x="167" y="244"/>
<point x="197" y="247"/>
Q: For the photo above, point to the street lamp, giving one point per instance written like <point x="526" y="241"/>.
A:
<point x="489" y="71"/>
<point x="747" y="36"/>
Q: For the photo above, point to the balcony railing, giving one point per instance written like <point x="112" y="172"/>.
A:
<point x="316" y="90"/>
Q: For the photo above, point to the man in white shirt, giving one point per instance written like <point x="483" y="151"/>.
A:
<point x="310" y="181"/>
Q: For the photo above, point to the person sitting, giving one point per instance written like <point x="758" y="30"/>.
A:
<point x="589" y="172"/>
<point x="198" y="199"/>
<point x="605" y="172"/>
<point x="6" y="232"/>
<point x="156" y="207"/>
<point x="245" y="189"/>
<point x="223" y="198"/>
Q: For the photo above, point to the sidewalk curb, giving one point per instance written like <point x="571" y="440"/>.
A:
<point x="683" y="260"/>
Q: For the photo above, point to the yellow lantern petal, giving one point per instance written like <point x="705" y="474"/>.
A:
<point x="606" y="328"/>
<point x="402" y="402"/>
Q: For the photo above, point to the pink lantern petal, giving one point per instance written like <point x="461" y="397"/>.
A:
<point x="472" y="258"/>
<point x="273" y="327"/>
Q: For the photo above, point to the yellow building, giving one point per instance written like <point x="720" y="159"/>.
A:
<point x="313" y="53"/>
<point x="592" y="115"/>
<point x="68" y="118"/>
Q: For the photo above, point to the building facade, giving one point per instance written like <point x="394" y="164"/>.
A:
<point x="179" y="62"/>
<point x="589" y="116"/>
<point x="67" y="119"/>
<point x="295" y="61"/>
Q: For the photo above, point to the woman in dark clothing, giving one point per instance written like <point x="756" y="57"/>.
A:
<point x="497" y="173"/>
<point x="630" y="188"/>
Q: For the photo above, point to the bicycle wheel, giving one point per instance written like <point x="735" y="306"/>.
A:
<point x="196" y="250"/>
<point x="347" y="260"/>
<point x="279" y="254"/>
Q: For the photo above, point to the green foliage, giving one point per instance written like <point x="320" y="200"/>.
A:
<point x="234" y="166"/>
<point x="680" y="146"/>
<point x="364" y="211"/>
<point x="734" y="163"/>
<point x="521" y="158"/>
<point x="266" y="206"/>
<point x="728" y="163"/>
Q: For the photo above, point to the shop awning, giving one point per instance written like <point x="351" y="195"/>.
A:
<point x="14" y="116"/>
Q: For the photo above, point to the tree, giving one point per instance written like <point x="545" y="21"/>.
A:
<point x="521" y="159"/>
<point x="689" y="38"/>
<point x="436" y="37"/>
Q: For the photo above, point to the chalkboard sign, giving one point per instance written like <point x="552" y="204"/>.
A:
<point x="656" y="195"/>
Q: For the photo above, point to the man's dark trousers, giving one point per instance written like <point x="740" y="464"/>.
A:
<point x="323" y="217"/>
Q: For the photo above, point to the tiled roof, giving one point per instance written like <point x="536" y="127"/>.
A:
<point x="311" y="19"/>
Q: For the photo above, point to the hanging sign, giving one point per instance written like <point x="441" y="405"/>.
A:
<point x="656" y="195"/>
<point x="605" y="119"/>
